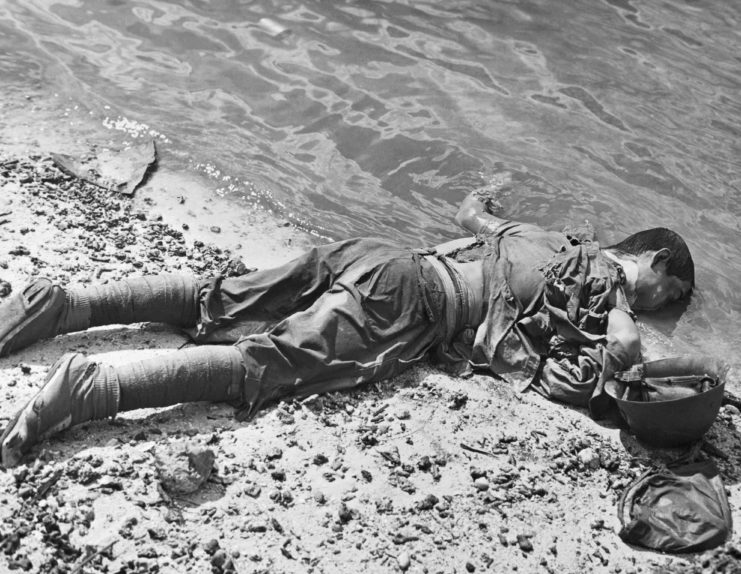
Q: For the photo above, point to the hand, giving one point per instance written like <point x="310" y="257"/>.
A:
<point x="488" y="197"/>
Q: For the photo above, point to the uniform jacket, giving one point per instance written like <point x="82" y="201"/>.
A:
<point x="547" y="297"/>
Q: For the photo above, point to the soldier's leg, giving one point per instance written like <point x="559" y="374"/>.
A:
<point x="80" y="389"/>
<point x="43" y="309"/>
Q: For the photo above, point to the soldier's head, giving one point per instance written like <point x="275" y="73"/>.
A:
<point x="665" y="270"/>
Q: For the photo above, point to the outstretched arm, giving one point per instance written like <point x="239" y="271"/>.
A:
<point x="474" y="216"/>
<point x="623" y="338"/>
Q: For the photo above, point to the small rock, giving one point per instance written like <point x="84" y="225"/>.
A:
<point x="524" y="542"/>
<point x="477" y="472"/>
<point x="179" y="479"/>
<point x="21" y="563"/>
<point x="258" y="526"/>
<point x="286" y="498"/>
<point x="384" y="505"/>
<point x="481" y="483"/>
<point x="589" y="458"/>
<point x="157" y="533"/>
<point x="215" y="229"/>
<point x="428" y="502"/>
<point x="458" y="401"/>
<point x="274" y="454"/>
<point x="147" y="553"/>
<point x="391" y="454"/>
<point x="404" y="561"/>
<point x="19" y="250"/>
<point x="319" y="497"/>
<point x="284" y="417"/>
<point x="730" y="409"/>
<point x="277" y="526"/>
<point x="20" y="474"/>
<point x="369" y="439"/>
<point x="470" y="567"/>
<point x="218" y="559"/>
<point x="253" y="490"/>
<point x="211" y="547"/>
<point x="344" y="513"/>
<point x="320" y="459"/>
<point x="174" y="515"/>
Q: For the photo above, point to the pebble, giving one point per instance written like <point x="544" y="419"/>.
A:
<point x="22" y="563"/>
<point x="277" y="526"/>
<point x="477" y="472"/>
<point x="253" y="490"/>
<point x="320" y="459"/>
<point x="184" y="475"/>
<point x="481" y="483"/>
<point x="218" y="559"/>
<point x="404" y="561"/>
<point x="274" y="454"/>
<point x="524" y="542"/>
<point x="428" y="502"/>
<point x="211" y="546"/>
<point x="458" y="401"/>
<point x="589" y="458"/>
<point x="258" y="526"/>
<point x="157" y="533"/>
<point x="732" y="410"/>
<point x="344" y="513"/>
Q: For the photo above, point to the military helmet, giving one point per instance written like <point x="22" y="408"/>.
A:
<point x="672" y="401"/>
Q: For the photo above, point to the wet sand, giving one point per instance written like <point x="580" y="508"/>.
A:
<point x="425" y="473"/>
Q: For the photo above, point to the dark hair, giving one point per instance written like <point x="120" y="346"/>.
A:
<point x="680" y="262"/>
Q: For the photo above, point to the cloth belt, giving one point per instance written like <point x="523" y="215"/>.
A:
<point x="463" y="304"/>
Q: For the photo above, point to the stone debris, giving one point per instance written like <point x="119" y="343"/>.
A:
<point x="423" y="473"/>
<point x="185" y="471"/>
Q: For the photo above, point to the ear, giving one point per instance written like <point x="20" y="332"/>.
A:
<point x="661" y="256"/>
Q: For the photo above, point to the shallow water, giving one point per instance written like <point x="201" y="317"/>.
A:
<point x="377" y="117"/>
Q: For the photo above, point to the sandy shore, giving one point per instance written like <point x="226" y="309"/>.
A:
<point x="426" y="473"/>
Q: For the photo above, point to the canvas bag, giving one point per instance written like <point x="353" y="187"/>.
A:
<point x="679" y="509"/>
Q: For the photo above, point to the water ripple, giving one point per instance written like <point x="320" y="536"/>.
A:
<point x="360" y="118"/>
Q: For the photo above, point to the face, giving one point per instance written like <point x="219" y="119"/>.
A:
<point x="654" y="287"/>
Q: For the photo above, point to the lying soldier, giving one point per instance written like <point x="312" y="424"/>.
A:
<point x="515" y="298"/>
